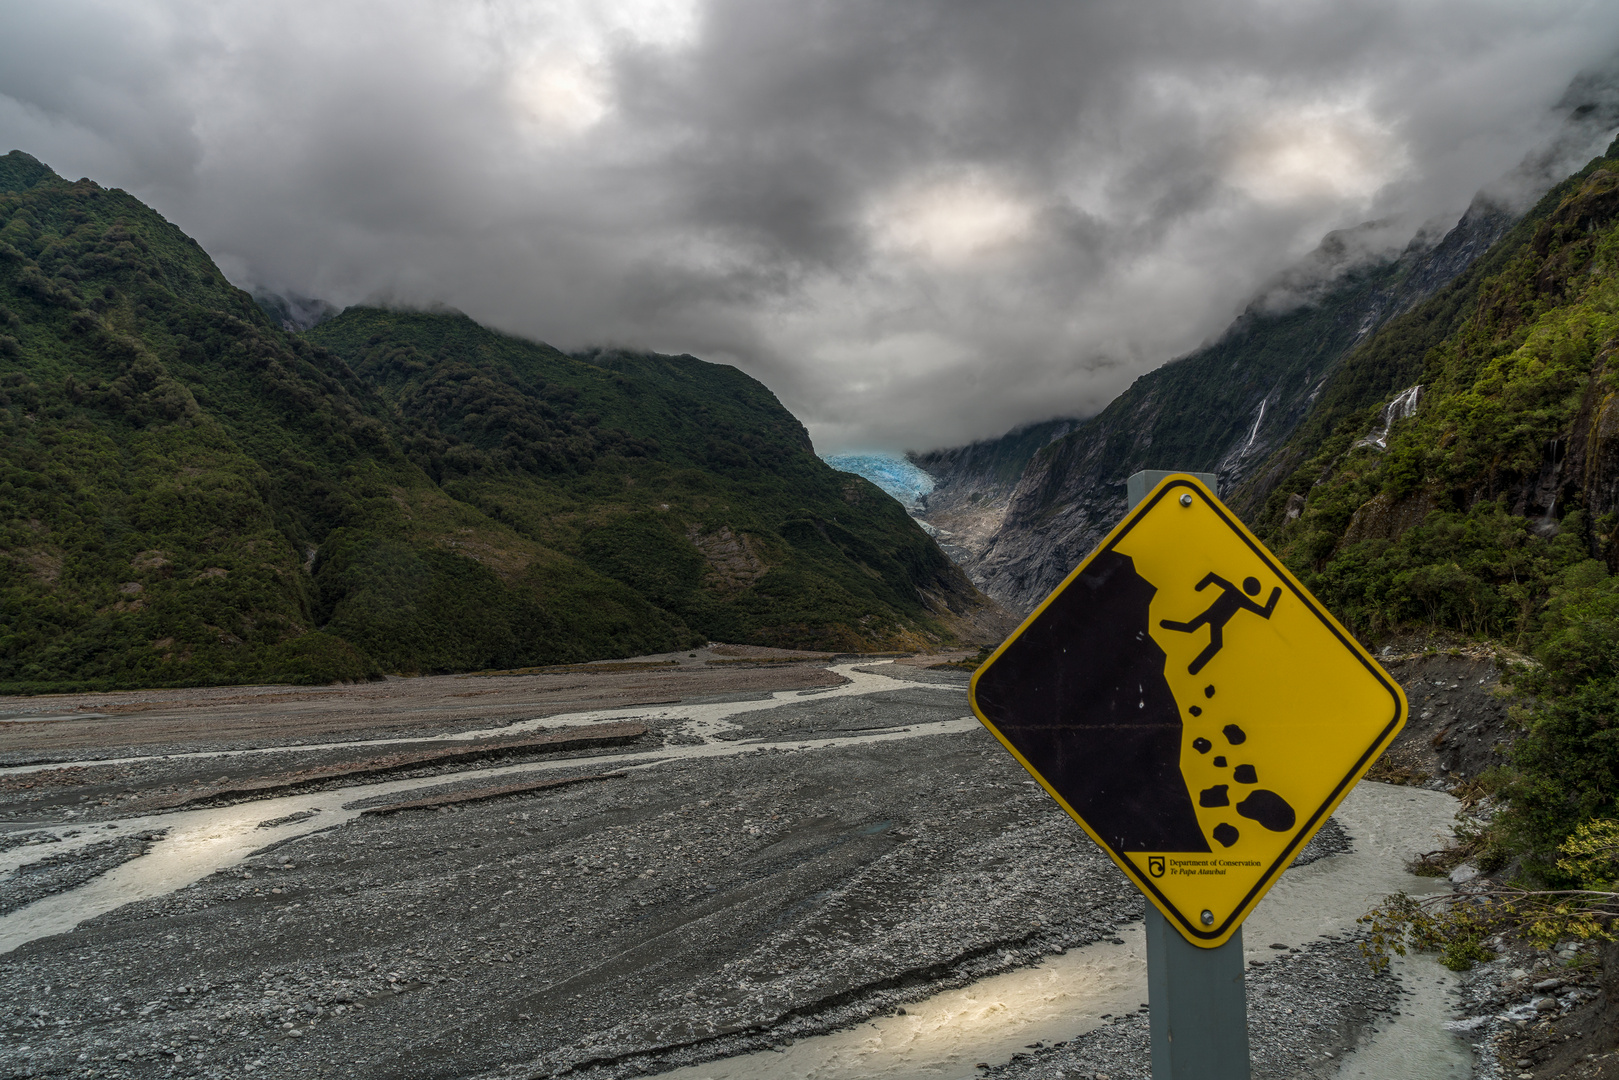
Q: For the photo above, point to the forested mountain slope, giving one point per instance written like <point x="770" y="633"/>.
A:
<point x="1388" y="363"/>
<point x="1464" y="512"/>
<point x="1488" y="506"/>
<point x="189" y="494"/>
<point x="1222" y="409"/>
<point x="686" y="481"/>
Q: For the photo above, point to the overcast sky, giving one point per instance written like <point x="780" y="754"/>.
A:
<point x="918" y="223"/>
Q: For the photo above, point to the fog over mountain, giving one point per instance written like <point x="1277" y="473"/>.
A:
<point x="917" y="223"/>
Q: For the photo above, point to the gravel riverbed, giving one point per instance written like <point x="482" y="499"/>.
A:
<point x="762" y="868"/>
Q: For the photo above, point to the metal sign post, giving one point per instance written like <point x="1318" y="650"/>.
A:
<point x="1200" y="715"/>
<point x="1198" y="997"/>
<point x="1140" y="484"/>
<point x="1199" y="1006"/>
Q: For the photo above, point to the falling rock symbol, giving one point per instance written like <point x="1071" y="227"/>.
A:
<point x="1214" y="796"/>
<point x="1269" y="809"/>
<point x="1226" y="834"/>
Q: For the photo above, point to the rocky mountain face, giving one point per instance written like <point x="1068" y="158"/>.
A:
<point x="1223" y="409"/>
<point x="1463" y="505"/>
<point x="192" y="494"/>
<point x="1387" y="379"/>
<point x="973" y="486"/>
<point x="1252" y="406"/>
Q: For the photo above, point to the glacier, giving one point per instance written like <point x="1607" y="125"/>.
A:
<point x="895" y="475"/>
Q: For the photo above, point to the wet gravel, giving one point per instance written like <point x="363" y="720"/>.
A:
<point x="673" y="915"/>
<point x="680" y="912"/>
<point x="105" y="793"/>
<point x="1545" y="1012"/>
<point x="59" y="872"/>
<point x="1330" y="839"/>
<point x="1307" y="1009"/>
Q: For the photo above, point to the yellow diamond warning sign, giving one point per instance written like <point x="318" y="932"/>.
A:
<point x="1191" y="705"/>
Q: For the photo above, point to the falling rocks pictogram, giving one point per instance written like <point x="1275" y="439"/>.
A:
<point x="1269" y="809"/>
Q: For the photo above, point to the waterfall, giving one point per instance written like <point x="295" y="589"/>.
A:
<point x="1403" y="406"/>
<point x="1254" y="432"/>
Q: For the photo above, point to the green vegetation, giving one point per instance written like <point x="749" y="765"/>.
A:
<point x="1461" y="930"/>
<point x="190" y="495"/>
<point x="1485" y="314"/>
<point x="686" y="481"/>
<point x="1491" y="512"/>
<point x="1566" y="770"/>
<point x="1484" y="572"/>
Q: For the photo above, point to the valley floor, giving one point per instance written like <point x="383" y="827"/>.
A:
<point x="740" y="864"/>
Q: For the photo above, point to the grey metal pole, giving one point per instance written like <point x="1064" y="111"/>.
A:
<point x="1136" y="488"/>
<point x="1199" y="1006"/>
<point x="1198" y="1001"/>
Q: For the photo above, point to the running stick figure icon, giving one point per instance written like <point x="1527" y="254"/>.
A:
<point x="1222" y="611"/>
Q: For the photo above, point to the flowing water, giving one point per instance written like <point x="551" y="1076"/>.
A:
<point x="1418" y="1046"/>
<point x="200" y="842"/>
<point x="940" y="1037"/>
<point x="944" y="1036"/>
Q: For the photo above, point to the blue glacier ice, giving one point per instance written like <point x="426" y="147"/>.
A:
<point x="890" y="472"/>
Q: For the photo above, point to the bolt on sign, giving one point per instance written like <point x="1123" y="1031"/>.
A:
<point x="1191" y="705"/>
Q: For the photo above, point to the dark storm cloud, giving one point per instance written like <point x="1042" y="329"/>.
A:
<point x="917" y="222"/>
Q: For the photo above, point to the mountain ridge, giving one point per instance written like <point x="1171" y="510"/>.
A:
<point x="1221" y="409"/>
<point x="194" y="495"/>
<point x="1245" y="422"/>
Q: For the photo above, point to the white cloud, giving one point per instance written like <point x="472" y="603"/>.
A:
<point x="918" y="223"/>
<point x="1316" y="152"/>
<point x="950" y="220"/>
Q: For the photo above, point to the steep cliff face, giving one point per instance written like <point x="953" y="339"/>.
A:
<point x="1469" y="504"/>
<point x="1356" y="400"/>
<point x="1257" y="404"/>
<point x="1224" y="409"/>
<point x="973" y="486"/>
